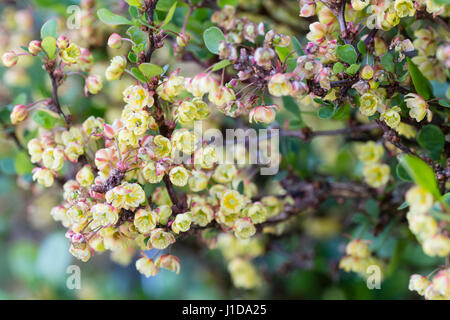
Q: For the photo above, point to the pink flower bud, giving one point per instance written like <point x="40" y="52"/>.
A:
<point x="19" y="113"/>
<point x="9" y="59"/>
<point x="264" y="114"/>
<point x="115" y="41"/>
<point x="183" y="39"/>
<point x="62" y="42"/>
<point x="93" y="84"/>
<point x="34" y="47"/>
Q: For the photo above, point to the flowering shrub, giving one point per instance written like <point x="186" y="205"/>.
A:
<point x="146" y="179"/>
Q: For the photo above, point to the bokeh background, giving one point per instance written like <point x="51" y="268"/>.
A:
<point x="301" y="264"/>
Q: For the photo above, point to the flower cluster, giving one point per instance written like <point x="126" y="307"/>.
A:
<point x="359" y="258"/>
<point x="376" y="174"/>
<point x="437" y="288"/>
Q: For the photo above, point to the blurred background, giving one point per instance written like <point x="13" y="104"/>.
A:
<point x="299" y="264"/>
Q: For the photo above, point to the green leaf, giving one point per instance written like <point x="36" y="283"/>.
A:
<point x="138" y="75"/>
<point x="347" y="53"/>
<point x="169" y="15"/>
<point x="422" y="85"/>
<point x="283" y="52"/>
<point x="420" y="172"/>
<point x="353" y="69"/>
<point x="137" y="35"/>
<point x="338" y="67"/>
<point x="49" y="29"/>
<point x="297" y="46"/>
<point x="132" y="57"/>
<point x="49" y="46"/>
<point x="150" y="70"/>
<point x="223" y="3"/>
<point x="110" y="18"/>
<point x="220" y="65"/>
<point x="431" y="138"/>
<point x="212" y="36"/>
<point x="362" y="47"/>
<point x="446" y="2"/>
<point x="325" y="112"/>
<point x="402" y="173"/>
<point x="45" y="119"/>
<point x="136" y="3"/>
<point x="133" y="11"/>
<point x="164" y="5"/>
<point x="22" y="163"/>
<point x="444" y="103"/>
<point x="290" y="105"/>
<point x="387" y="61"/>
<point x="372" y="207"/>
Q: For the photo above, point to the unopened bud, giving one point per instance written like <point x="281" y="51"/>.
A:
<point x="93" y="84"/>
<point x="115" y="41"/>
<point x="35" y="47"/>
<point x="62" y="42"/>
<point x="19" y="113"/>
<point x="183" y="39"/>
<point x="9" y="59"/>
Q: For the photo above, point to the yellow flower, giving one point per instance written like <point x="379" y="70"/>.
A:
<point x="225" y="173"/>
<point x="391" y="117"/>
<point x="419" y="199"/>
<point x="145" y="220"/>
<point x="185" y="140"/>
<point x="221" y="96"/>
<point x="423" y="226"/>
<point x="186" y="112"/>
<point x="35" y="150"/>
<point x="179" y="176"/>
<point x="116" y="68"/>
<point x="438" y="245"/>
<point x="376" y="175"/>
<point x="404" y="8"/>
<point x="201" y="84"/>
<point x="369" y="104"/>
<point x="279" y="85"/>
<point x="171" y="88"/>
<point x="198" y="181"/>
<point x="127" y="137"/>
<point x="358" y="248"/>
<point x="78" y="213"/>
<point x="202" y="109"/>
<point x="93" y="84"/>
<point x="406" y="130"/>
<point x="264" y="114"/>
<point x="244" y="228"/>
<point x="370" y="152"/>
<point x="104" y="215"/>
<point x="232" y="202"/>
<point x="418" y="283"/>
<point x="169" y="262"/>
<point x="418" y="107"/>
<point x="71" y="54"/>
<point x="359" y="5"/>
<point x="74" y="135"/>
<point x="244" y="274"/>
<point x="161" y="239"/>
<point x="93" y="127"/>
<point x="85" y="177"/>
<point x="317" y="32"/>
<point x="73" y="150"/>
<point x="82" y="253"/>
<point x="153" y="172"/>
<point x="137" y="97"/>
<point x="136" y="121"/>
<point x="202" y="214"/>
<point x="126" y="196"/>
<point x="441" y="283"/>
<point x="163" y="146"/>
<point x="257" y="212"/>
<point x="147" y="267"/>
<point x="43" y="176"/>
<point x="206" y="157"/>
<point x="182" y="222"/>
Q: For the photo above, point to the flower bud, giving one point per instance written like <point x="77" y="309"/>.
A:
<point x="182" y="223"/>
<point x="19" y="113"/>
<point x="93" y="84"/>
<point x="9" y="59"/>
<point x="62" y="42"/>
<point x="115" y="41"/>
<point x="169" y="262"/>
<point x="244" y="228"/>
<point x="183" y="39"/>
<point x="147" y="267"/>
<point x="34" y="47"/>
<point x="264" y="114"/>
